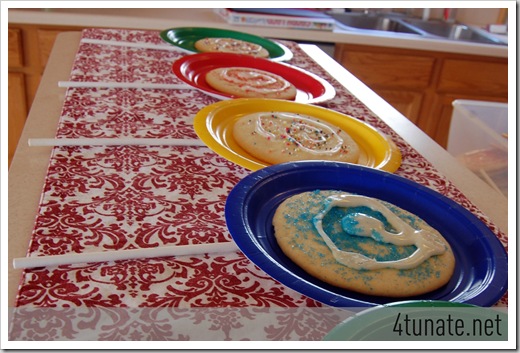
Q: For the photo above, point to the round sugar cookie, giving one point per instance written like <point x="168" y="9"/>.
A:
<point x="250" y="83"/>
<point x="278" y="137"/>
<point x="230" y="45"/>
<point x="362" y="244"/>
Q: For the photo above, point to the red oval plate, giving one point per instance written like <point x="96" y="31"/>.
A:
<point x="192" y="70"/>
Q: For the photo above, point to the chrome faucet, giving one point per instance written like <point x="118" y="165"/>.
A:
<point x="426" y="14"/>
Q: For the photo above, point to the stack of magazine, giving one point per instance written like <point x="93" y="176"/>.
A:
<point x="285" y="18"/>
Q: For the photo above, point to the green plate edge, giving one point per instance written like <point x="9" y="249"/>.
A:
<point x="185" y="38"/>
<point x="378" y="323"/>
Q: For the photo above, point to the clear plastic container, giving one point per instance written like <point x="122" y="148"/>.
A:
<point x="478" y="139"/>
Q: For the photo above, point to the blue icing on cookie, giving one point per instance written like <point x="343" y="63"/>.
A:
<point x="350" y="224"/>
<point x="340" y="224"/>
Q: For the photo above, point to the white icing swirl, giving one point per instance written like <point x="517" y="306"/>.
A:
<point x="308" y="134"/>
<point x="254" y="80"/>
<point x="428" y="243"/>
<point x="234" y="45"/>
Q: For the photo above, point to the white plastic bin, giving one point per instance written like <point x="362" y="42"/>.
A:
<point x="478" y="139"/>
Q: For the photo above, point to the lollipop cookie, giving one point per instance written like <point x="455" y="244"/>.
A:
<point x="362" y="244"/>
<point x="251" y="83"/>
<point x="277" y="137"/>
<point x="230" y="45"/>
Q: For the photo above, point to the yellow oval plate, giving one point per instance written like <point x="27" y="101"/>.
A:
<point x="214" y="126"/>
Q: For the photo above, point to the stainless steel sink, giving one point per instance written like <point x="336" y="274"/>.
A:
<point x="372" y="22"/>
<point x="453" y="31"/>
<point x="401" y="25"/>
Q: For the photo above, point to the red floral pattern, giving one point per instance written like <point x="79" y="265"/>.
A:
<point x="127" y="197"/>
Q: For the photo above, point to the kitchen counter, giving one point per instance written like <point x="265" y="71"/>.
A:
<point x="166" y="18"/>
<point x="29" y="166"/>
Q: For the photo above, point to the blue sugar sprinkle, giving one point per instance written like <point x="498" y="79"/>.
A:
<point x="339" y="222"/>
<point x="420" y="273"/>
<point x="350" y="224"/>
<point x="377" y="236"/>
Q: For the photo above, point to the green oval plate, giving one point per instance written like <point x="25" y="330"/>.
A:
<point x="423" y="320"/>
<point x="185" y="38"/>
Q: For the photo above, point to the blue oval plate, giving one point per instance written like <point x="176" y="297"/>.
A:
<point x="480" y="276"/>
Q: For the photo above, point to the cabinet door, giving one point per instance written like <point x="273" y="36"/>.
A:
<point x="388" y="70"/>
<point x="15" y="51"/>
<point x="17" y="110"/>
<point x="473" y="77"/>
<point x="407" y="103"/>
<point x="401" y="77"/>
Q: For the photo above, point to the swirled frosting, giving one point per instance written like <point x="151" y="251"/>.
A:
<point x="253" y="80"/>
<point x="427" y="242"/>
<point x="278" y="137"/>
<point x="308" y="134"/>
<point x="230" y="45"/>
